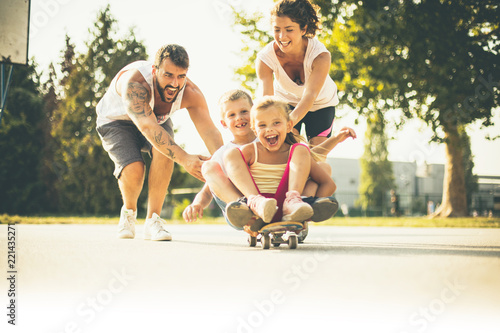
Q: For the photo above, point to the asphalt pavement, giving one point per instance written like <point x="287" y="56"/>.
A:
<point x="81" y="278"/>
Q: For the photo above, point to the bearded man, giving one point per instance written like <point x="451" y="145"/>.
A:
<point x="134" y="117"/>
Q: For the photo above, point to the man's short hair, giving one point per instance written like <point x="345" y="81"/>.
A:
<point x="176" y="53"/>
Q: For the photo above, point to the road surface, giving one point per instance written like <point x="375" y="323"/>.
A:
<point x="80" y="278"/>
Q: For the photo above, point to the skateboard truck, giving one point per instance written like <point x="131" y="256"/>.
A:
<point x="277" y="233"/>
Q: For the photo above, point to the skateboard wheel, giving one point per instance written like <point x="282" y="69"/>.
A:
<point x="252" y="241"/>
<point x="292" y="241"/>
<point x="266" y="242"/>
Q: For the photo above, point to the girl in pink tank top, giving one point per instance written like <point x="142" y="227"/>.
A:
<point x="272" y="172"/>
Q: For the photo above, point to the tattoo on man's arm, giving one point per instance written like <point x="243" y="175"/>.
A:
<point x="172" y="144"/>
<point x="171" y="154"/>
<point x="160" y="139"/>
<point x="138" y="100"/>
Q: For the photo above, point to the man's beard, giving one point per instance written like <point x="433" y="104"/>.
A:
<point x="162" y="92"/>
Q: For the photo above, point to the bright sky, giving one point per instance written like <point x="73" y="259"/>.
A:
<point x="203" y="27"/>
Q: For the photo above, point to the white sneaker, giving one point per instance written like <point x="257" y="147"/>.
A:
<point x="263" y="207"/>
<point x="154" y="229"/>
<point x="294" y="209"/>
<point x="126" y="226"/>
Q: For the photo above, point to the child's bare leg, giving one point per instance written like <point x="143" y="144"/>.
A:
<point x="322" y="176"/>
<point x="238" y="173"/>
<point x="311" y="187"/>
<point x="317" y="140"/>
<point x="319" y="190"/>
<point x="294" y="209"/>
<point x="300" y="166"/>
<point x="238" y="213"/>
<point x="219" y="183"/>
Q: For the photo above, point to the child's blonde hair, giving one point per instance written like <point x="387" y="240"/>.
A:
<point x="233" y="95"/>
<point x="265" y="103"/>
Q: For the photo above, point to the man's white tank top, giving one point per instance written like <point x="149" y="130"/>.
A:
<point x="286" y="89"/>
<point x="111" y="106"/>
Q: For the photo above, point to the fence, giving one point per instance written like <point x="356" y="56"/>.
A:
<point x="416" y="205"/>
<point x="408" y="205"/>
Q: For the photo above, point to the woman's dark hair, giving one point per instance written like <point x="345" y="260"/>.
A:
<point x="299" y="11"/>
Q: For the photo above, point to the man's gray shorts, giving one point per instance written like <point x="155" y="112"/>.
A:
<point x="125" y="143"/>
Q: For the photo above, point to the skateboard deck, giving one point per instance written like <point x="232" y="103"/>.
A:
<point x="277" y="233"/>
<point x="281" y="226"/>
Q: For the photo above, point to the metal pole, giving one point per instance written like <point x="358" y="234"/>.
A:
<point x="1" y="86"/>
<point x="4" y="88"/>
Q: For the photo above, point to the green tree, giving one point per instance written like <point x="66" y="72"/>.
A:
<point x="376" y="170"/>
<point x="430" y="59"/>
<point x="21" y="144"/>
<point x="48" y="174"/>
<point x="85" y="172"/>
<point x="254" y="37"/>
<point x="436" y="60"/>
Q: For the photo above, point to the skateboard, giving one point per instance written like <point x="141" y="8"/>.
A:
<point x="277" y="233"/>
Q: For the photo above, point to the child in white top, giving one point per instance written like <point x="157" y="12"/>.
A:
<point x="235" y="108"/>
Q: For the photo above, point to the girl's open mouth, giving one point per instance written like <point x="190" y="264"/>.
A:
<point x="272" y="140"/>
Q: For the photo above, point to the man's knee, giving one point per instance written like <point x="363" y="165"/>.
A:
<point x="133" y="172"/>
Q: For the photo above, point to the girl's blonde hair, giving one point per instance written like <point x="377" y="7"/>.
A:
<point x="265" y="103"/>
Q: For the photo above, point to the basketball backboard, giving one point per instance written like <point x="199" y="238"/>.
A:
<point x="14" y="29"/>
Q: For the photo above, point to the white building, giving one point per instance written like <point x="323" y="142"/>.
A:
<point x="419" y="188"/>
<point x="415" y="185"/>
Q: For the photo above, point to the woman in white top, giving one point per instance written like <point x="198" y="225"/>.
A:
<point x="295" y="68"/>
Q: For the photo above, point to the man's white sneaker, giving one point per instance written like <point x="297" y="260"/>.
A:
<point x="126" y="226"/>
<point x="154" y="229"/>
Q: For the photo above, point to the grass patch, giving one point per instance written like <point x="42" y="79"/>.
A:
<point x="416" y="222"/>
<point x="6" y="219"/>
